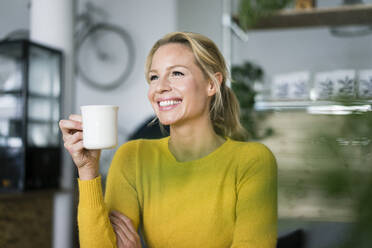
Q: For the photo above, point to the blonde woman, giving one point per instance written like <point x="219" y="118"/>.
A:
<point x="199" y="187"/>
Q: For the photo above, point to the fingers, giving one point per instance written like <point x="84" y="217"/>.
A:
<point x="72" y="130"/>
<point x="69" y="127"/>
<point x="73" y="138"/>
<point x="75" y="117"/>
<point x="74" y="143"/>
<point x="120" y="236"/>
<point x="121" y="227"/>
<point x="125" y="219"/>
<point x="75" y="149"/>
<point x="121" y="239"/>
<point x="124" y="228"/>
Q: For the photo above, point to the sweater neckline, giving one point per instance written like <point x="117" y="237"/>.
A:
<point x="203" y="160"/>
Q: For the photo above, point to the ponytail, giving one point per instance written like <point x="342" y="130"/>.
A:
<point x="226" y="117"/>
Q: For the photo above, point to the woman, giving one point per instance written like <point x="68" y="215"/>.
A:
<point x="199" y="187"/>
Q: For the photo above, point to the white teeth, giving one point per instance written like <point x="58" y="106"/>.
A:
<point x="168" y="103"/>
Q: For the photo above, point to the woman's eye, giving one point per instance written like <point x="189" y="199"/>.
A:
<point x="177" y="73"/>
<point x="153" y="77"/>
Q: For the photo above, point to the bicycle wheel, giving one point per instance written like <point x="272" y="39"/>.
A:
<point x="105" y="56"/>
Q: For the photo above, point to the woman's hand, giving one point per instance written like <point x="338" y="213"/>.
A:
<point x="87" y="161"/>
<point x="126" y="234"/>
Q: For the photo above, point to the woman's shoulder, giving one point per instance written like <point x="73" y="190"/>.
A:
<point x="251" y="148"/>
<point x="254" y="154"/>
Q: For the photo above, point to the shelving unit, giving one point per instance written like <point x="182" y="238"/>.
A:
<point x="30" y="107"/>
<point x="353" y="105"/>
<point x="357" y="14"/>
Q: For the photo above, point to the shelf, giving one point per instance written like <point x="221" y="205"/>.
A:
<point x="2" y="118"/>
<point x="10" y="92"/>
<point x="317" y="107"/>
<point x="358" y="14"/>
<point x="37" y="95"/>
<point x="31" y="120"/>
<point x="42" y="121"/>
<point x="31" y="94"/>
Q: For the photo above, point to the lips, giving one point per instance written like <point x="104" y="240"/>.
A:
<point x="168" y="103"/>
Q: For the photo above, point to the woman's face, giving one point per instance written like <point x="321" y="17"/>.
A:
<point x="178" y="91"/>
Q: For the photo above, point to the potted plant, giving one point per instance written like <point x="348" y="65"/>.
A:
<point x="243" y="79"/>
<point x="250" y="11"/>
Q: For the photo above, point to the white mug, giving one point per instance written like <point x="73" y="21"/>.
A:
<point x="99" y="126"/>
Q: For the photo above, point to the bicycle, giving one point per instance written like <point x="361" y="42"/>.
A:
<point x="104" y="51"/>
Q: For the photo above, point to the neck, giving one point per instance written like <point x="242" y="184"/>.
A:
<point x="192" y="141"/>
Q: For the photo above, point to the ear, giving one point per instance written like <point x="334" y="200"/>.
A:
<point x="211" y="86"/>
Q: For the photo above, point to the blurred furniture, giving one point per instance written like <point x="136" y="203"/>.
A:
<point x="30" y="107"/>
<point x="148" y="130"/>
<point x="305" y="4"/>
<point x="294" y="239"/>
<point x="26" y="219"/>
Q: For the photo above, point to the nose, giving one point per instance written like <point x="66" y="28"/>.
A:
<point x="163" y="85"/>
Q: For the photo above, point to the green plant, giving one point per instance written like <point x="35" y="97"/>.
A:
<point x="357" y="129"/>
<point x="244" y="77"/>
<point x="250" y="11"/>
<point x="350" y="178"/>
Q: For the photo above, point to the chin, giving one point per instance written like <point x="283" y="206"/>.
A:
<point x="165" y="121"/>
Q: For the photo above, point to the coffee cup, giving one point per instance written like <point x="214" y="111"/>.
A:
<point x="99" y="126"/>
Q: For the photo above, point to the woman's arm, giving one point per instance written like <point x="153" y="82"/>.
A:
<point x="95" y="228"/>
<point x="256" y="208"/>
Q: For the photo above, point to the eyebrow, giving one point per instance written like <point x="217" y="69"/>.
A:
<point x="170" y="67"/>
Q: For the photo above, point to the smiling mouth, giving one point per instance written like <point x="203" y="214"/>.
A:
<point x="168" y="104"/>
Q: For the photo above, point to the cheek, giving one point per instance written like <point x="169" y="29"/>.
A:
<point x="150" y="94"/>
<point x="189" y="87"/>
<point x="150" y="97"/>
<point x="196" y="91"/>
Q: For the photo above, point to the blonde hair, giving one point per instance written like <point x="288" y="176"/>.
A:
<point x="224" y="108"/>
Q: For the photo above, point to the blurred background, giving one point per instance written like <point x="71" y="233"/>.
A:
<point x="302" y="71"/>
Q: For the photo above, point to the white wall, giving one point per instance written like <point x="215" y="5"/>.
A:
<point x="282" y="51"/>
<point x="201" y="16"/>
<point x="14" y="15"/>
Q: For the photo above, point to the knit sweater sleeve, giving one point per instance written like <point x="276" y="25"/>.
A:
<point x="121" y="186"/>
<point x="95" y="229"/>
<point x="256" y="207"/>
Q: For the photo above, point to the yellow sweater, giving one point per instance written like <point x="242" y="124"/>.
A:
<point x="225" y="199"/>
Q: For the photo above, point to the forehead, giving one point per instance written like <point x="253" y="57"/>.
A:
<point x="172" y="54"/>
